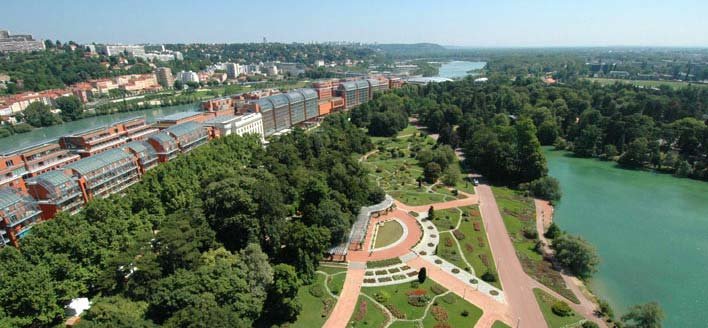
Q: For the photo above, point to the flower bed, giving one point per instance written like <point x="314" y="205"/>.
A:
<point x="458" y="234"/>
<point x="439" y="313"/>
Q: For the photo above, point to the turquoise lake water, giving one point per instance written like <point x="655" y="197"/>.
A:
<point x="458" y="69"/>
<point x="650" y="229"/>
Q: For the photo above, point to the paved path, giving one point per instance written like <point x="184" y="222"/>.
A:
<point x="517" y="285"/>
<point x="400" y="249"/>
<point x="471" y="199"/>
<point x="544" y="217"/>
<point x="492" y="309"/>
<point x="347" y="299"/>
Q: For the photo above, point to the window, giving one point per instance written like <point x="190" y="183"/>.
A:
<point x="9" y="162"/>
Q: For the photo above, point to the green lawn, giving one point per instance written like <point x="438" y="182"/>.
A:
<point x="367" y="314"/>
<point x="396" y="170"/>
<point x="519" y="215"/>
<point x="475" y="245"/>
<point x="331" y="269"/>
<point x="499" y="324"/>
<point x="446" y="219"/>
<point x="447" y="249"/>
<point x="546" y="301"/>
<point x="399" y="299"/>
<point x="656" y="84"/>
<point x="336" y="282"/>
<point x="454" y="306"/>
<point x="450" y="305"/>
<point x="315" y="310"/>
<point x="388" y="233"/>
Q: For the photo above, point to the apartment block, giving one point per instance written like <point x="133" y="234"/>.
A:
<point x="188" y="135"/>
<point x="12" y="168"/>
<point x="144" y="153"/>
<point x="236" y="124"/>
<point x="105" y="174"/>
<point x="19" y="43"/>
<point x="45" y="157"/>
<point x="18" y="213"/>
<point x="179" y="118"/>
<point x="56" y="191"/>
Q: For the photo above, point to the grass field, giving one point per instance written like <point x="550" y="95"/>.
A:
<point x="447" y="249"/>
<point x="553" y="320"/>
<point x="649" y="84"/>
<point x="315" y="309"/>
<point x="446" y="219"/>
<point x="388" y="233"/>
<point x="367" y="314"/>
<point x="445" y="308"/>
<point x="499" y="324"/>
<point x="336" y="282"/>
<point x="395" y="168"/>
<point x="475" y="245"/>
<point x="519" y="215"/>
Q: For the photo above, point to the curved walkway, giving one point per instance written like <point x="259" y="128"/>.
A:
<point x="401" y="248"/>
<point x="347" y="298"/>
<point x="587" y="308"/>
<point x="471" y="199"/>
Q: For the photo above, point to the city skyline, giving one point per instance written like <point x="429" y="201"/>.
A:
<point x="507" y="23"/>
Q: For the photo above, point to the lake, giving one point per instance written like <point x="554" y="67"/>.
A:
<point x="650" y="229"/>
<point x="458" y="69"/>
<point x="38" y="135"/>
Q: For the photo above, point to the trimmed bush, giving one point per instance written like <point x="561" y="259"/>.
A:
<point x="489" y="277"/>
<point x="465" y="313"/>
<point x="316" y="291"/>
<point x="458" y="234"/>
<point x="382" y="296"/>
<point x="561" y="309"/>
<point x="437" y="289"/>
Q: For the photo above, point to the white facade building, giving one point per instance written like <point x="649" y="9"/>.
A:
<point x="188" y="76"/>
<point x="240" y="124"/>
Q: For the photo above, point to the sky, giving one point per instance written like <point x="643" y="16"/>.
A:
<point x="472" y="23"/>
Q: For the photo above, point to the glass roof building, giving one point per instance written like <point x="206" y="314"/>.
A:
<point x="18" y="213"/>
<point x="297" y="107"/>
<point x="311" y="102"/>
<point x="268" y="116"/>
<point x="188" y="135"/>
<point x="56" y="191"/>
<point x="143" y="151"/>
<point x="282" y="111"/>
<point x="105" y="174"/>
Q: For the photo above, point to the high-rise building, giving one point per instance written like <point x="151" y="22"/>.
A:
<point x="19" y="43"/>
<point x="114" y="50"/>
<point x="231" y="70"/>
<point x="188" y="76"/>
<point x="164" y="77"/>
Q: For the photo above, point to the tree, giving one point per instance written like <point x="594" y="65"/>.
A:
<point x="282" y="304"/>
<point x="576" y="255"/>
<point x="431" y="213"/>
<point x="553" y="231"/>
<point x="649" y="315"/>
<point x="636" y="155"/>
<point x="531" y="162"/>
<point x="71" y="108"/>
<point x="422" y="275"/>
<point x="546" y="188"/>
<point x="431" y="172"/>
<point x="451" y="175"/>
<point x="38" y="114"/>
<point x="179" y="85"/>
<point x="115" y="311"/>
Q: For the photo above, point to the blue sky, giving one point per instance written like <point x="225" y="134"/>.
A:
<point x="497" y="23"/>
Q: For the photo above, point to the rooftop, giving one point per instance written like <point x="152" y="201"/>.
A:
<point x="9" y="197"/>
<point x="278" y="100"/>
<point x="184" y="128"/>
<point x="96" y="162"/>
<point x="178" y="116"/>
<point x="308" y="93"/>
<point x="52" y="179"/>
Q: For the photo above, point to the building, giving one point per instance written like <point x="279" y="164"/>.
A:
<point x="144" y="153"/>
<point x="427" y="80"/>
<point x="165" y="146"/>
<point x="105" y="174"/>
<point x="237" y="124"/>
<point x="18" y="213"/>
<point x="188" y="135"/>
<point x="12" y="168"/>
<point x="45" y="157"/>
<point x="220" y="106"/>
<point x="138" y="82"/>
<point x="232" y="70"/>
<point x="323" y="89"/>
<point x="619" y="74"/>
<point x="296" y="102"/>
<point x="115" y="50"/>
<point x="188" y="76"/>
<point x="19" y="43"/>
<point x="179" y="118"/>
<point x="373" y="87"/>
<point x="311" y="105"/>
<point x="281" y="110"/>
<point x="94" y="141"/>
<point x="348" y="92"/>
<point x="56" y="191"/>
<point x="137" y="129"/>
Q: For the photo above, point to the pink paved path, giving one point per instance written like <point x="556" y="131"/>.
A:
<point x="347" y="299"/>
<point x="517" y="285"/>
<point x="400" y="249"/>
<point x="471" y="199"/>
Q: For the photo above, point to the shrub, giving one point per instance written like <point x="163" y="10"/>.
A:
<point x="484" y="259"/>
<point x="473" y="281"/>
<point x="369" y="280"/>
<point x="448" y="242"/>
<point x="489" y="277"/>
<point x="561" y="309"/>
<point x="439" y="313"/>
<point x="418" y="300"/>
<point x="316" y="291"/>
<point x="530" y="233"/>
<point x="382" y="296"/>
<point x="455" y="270"/>
<point x="465" y="313"/>
<point x="589" y="324"/>
<point x="422" y="275"/>
<point x="361" y="311"/>
<point x="458" y="234"/>
<point x="546" y="188"/>
<point x="553" y="231"/>
<point x="469" y="248"/>
<point x="476" y="226"/>
<point x="449" y="299"/>
<point x="442" y="325"/>
<point x="437" y="289"/>
<point x="395" y="311"/>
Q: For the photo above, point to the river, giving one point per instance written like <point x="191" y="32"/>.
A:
<point x="38" y="135"/>
<point x="458" y="69"/>
<point x="650" y="229"/>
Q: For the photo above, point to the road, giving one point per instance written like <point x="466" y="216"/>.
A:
<point x="517" y="285"/>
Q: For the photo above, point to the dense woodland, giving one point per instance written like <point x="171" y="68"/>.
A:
<point x="222" y="237"/>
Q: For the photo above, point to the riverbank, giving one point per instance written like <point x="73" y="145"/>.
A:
<point x="649" y="230"/>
